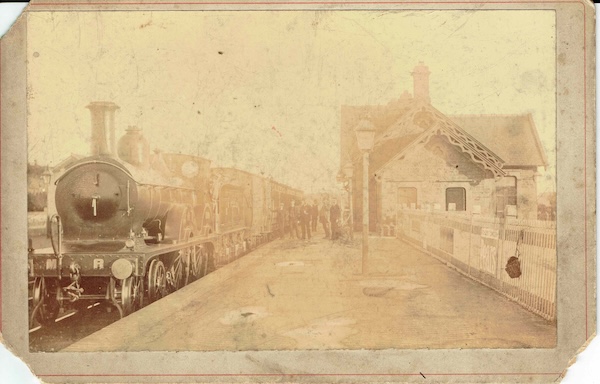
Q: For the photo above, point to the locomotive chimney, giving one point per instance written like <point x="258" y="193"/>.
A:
<point x="103" y="128"/>
<point x="421" y="82"/>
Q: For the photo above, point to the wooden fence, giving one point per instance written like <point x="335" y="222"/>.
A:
<point x="481" y="246"/>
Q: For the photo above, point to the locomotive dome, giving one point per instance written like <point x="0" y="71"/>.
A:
<point x="133" y="148"/>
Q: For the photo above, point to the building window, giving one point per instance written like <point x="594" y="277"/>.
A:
<point x="456" y="199"/>
<point x="407" y="197"/>
<point x="506" y="194"/>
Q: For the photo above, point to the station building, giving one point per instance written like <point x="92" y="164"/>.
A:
<point x="424" y="159"/>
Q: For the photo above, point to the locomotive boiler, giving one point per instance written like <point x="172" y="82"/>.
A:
<point x="129" y="225"/>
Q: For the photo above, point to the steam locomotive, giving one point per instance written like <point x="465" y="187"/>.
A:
<point x="130" y="226"/>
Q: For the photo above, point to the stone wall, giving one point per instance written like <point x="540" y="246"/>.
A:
<point x="431" y="170"/>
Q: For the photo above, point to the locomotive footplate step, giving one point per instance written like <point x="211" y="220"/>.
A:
<point x="310" y="294"/>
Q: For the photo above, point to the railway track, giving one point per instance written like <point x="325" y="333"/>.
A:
<point x="72" y="326"/>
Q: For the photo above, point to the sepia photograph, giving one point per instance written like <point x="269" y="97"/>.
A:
<point x="344" y="179"/>
<point x="325" y="188"/>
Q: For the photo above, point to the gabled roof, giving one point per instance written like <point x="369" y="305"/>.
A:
<point x="512" y="137"/>
<point x="493" y="141"/>
<point x="66" y="163"/>
<point x="382" y="117"/>
<point x="414" y="122"/>
<point x="388" y="149"/>
<point x="424" y="122"/>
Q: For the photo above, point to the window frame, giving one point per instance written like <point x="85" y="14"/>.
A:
<point x="464" y="198"/>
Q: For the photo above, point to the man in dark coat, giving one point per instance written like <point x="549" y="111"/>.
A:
<point x="281" y="220"/>
<point x="324" y="217"/>
<point x="314" y="215"/>
<point x="334" y="216"/>
<point x="305" y="215"/>
<point x="294" y="220"/>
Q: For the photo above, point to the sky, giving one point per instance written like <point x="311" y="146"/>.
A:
<point x="262" y="91"/>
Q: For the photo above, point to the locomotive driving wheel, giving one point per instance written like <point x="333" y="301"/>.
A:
<point x="126" y="294"/>
<point x="157" y="280"/>
<point x="131" y="294"/>
<point x="198" y="267"/>
<point x="175" y="277"/>
<point x="182" y="268"/>
<point x="185" y="256"/>
<point x="46" y="305"/>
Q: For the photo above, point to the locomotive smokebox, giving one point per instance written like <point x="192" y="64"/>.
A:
<point x="103" y="128"/>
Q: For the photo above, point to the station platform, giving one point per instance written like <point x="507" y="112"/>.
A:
<point x="295" y="294"/>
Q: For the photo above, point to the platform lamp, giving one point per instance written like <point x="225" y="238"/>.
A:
<point x="46" y="176"/>
<point x="348" y="173"/>
<point x="365" y="137"/>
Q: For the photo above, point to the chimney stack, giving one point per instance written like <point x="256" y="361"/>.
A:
<point x="103" y="128"/>
<point x="421" y="82"/>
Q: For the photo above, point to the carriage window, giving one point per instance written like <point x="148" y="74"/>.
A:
<point x="456" y="199"/>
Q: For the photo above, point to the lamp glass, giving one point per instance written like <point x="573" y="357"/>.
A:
<point x="46" y="176"/>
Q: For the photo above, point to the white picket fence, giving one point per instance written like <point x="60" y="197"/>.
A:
<point x="36" y="223"/>
<point x="481" y="246"/>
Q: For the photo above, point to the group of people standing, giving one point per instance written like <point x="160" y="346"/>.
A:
<point x="302" y="220"/>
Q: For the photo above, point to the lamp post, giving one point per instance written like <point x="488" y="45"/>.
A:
<point x="47" y="178"/>
<point x="348" y="173"/>
<point x="365" y="136"/>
